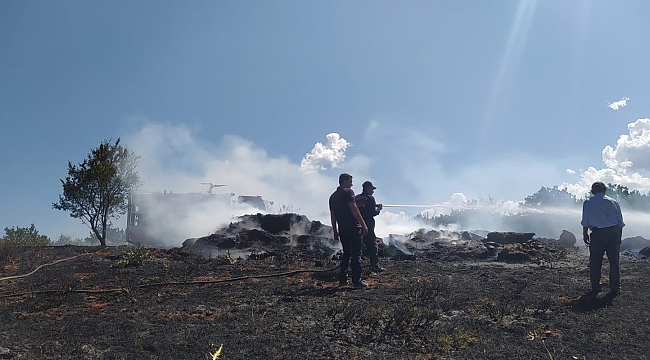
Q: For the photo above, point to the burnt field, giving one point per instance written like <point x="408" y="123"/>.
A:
<point x="87" y="304"/>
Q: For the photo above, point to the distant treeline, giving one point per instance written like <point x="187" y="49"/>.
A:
<point x="554" y="197"/>
<point x="546" y="213"/>
<point x="29" y="236"/>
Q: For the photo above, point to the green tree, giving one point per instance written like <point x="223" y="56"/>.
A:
<point x="632" y="199"/>
<point x="554" y="196"/>
<point x="114" y="236"/>
<point x="97" y="189"/>
<point x="69" y="240"/>
<point x="26" y="236"/>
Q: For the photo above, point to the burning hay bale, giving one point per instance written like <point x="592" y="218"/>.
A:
<point x="567" y="239"/>
<point x="256" y="236"/>
<point x="396" y="248"/>
<point x="475" y="250"/>
<point x="534" y="250"/>
<point x="509" y="237"/>
<point x="277" y="224"/>
<point x="451" y="246"/>
<point x="492" y="248"/>
<point x="519" y="252"/>
<point x="466" y="235"/>
<point x="244" y="239"/>
<point x="461" y="251"/>
<point x="644" y="253"/>
<point x="259" y="234"/>
<point x="634" y="243"/>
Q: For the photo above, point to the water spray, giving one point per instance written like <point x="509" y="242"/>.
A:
<point x="414" y="206"/>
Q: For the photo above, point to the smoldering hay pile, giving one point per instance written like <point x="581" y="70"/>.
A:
<point x="257" y="236"/>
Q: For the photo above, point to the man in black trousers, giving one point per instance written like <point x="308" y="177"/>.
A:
<point x="369" y="209"/>
<point x="602" y="215"/>
<point x="349" y="227"/>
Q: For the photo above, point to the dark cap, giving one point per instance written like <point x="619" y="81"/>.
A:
<point x="598" y="187"/>
<point x="368" y="184"/>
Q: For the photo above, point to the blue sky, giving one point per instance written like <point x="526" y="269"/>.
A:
<point x="428" y="98"/>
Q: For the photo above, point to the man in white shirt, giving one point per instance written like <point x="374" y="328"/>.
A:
<point x="602" y="215"/>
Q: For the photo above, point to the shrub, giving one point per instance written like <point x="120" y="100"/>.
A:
<point x="134" y="256"/>
<point x="224" y="260"/>
<point x="26" y="236"/>
<point x="458" y="340"/>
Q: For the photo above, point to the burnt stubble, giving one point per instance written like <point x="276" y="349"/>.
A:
<point x="288" y="305"/>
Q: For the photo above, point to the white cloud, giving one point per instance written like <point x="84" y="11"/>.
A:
<point x="323" y="156"/>
<point x="570" y="171"/>
<point x="632" y="151"/>
<point x="626" y="163"/>
<point x="618" y="104"/>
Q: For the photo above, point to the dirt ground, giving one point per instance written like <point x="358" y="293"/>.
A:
<point x="177" y="305"/>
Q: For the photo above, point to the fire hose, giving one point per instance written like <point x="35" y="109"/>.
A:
<point x="124" y="289"/>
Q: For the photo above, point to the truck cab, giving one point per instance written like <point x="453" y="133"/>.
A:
<point x="254" y="201"/>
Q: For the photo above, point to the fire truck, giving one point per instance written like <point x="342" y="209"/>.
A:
<point x="156" y="218"/>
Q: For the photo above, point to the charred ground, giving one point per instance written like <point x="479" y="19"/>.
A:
<point x="447" y="303"/>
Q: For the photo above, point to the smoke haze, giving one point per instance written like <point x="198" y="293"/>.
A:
<point x="174" y="159"/>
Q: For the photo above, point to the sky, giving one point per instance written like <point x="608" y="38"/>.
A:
<point x="427" y="99"/>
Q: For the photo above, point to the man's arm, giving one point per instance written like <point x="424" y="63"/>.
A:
<point x="585" y="223"/>
<point x="376" y="208"/>
<point x="334" y="227"/>
<point x="357" y="215"/>
<point x="621" y="224"/>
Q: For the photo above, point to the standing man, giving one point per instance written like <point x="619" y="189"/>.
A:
<point x="349" y="228"/>
<point x="602" y="215"/>
<point x="369" y="209"/>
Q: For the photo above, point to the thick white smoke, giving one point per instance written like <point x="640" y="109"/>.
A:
<point x="173" y="159"/>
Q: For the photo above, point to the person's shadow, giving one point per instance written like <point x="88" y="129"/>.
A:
<point x="590" y="301"/>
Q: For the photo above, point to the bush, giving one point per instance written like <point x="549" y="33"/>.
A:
<point x="224" y="260"/>
<point x="26" y="236"/>
<point x="69" y="240"/>
<point x="133" y="256"/>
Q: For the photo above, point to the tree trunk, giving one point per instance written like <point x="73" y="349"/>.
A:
<point x="100" y="236"/>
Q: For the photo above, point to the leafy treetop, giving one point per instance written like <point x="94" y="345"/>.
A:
<point x="97" y="189"/>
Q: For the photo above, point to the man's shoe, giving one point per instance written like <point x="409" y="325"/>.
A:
<point x="360" y="285"/>
<point x="343" y="283"/>
<point x="377" y="268"/>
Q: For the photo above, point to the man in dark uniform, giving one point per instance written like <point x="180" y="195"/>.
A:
<point x="349" y="228"/>
<point x="369" y="209"/>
